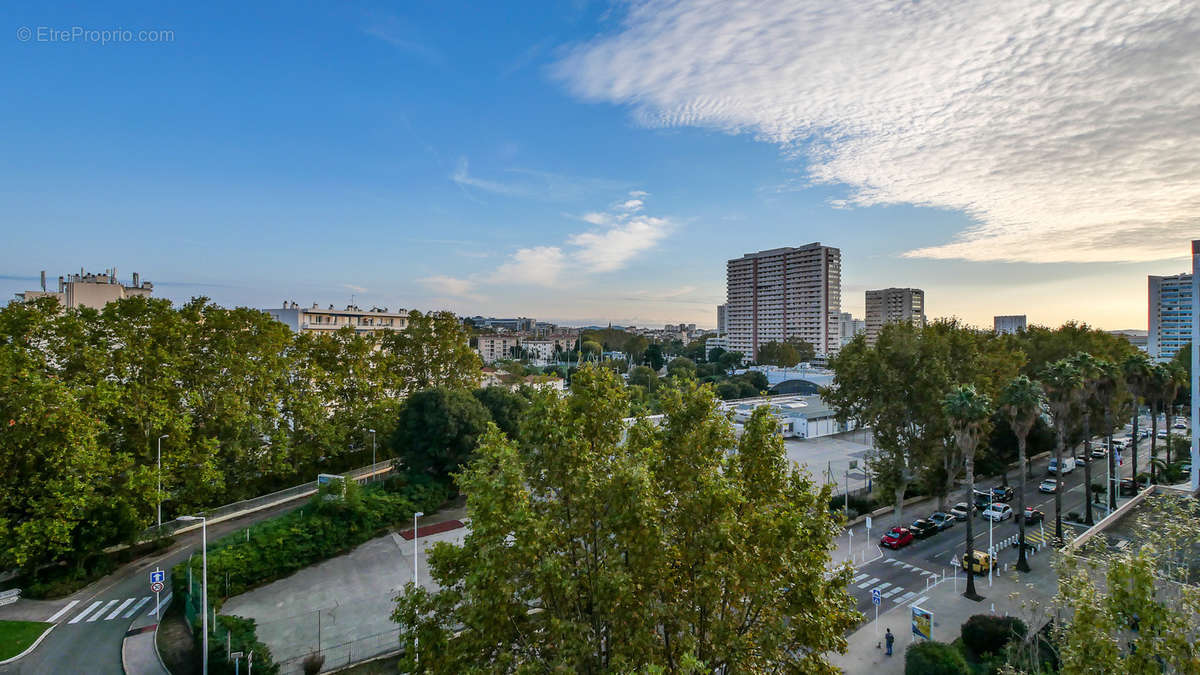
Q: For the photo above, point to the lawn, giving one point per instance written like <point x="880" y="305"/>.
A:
<point x="16" y="636"/>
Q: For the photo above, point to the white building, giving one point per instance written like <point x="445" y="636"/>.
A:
<point x="848" y="327"/>
<point x="316" y="319"/>
<point x="1170" y="319"/>
<point x="1009" y="324"/>
<point x="90" y="290"/>
<point x="798" y="416"/>
<point x="784" y="293"/>
<point x="496" y="347"/>
<point x="891" y="305"/>
<point x="722" y="323"/>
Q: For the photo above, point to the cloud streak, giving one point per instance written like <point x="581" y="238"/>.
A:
<point x="1066" y="130"/>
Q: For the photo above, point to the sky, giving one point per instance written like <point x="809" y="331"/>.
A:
<point x="585" y="162"/>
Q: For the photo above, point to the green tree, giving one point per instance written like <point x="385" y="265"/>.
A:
<point x="432" y="351"/>
<point x="730" y="360"/>
<point x="1172" y="383"/>
<point x="805" y="350"/>
<point x="644" y="376"/>
<point x="1137" y="371"/>
<point x="654" y="356"/>
<point x="934" y="658"/>
<point x="682" y="366"/>
<point x="1021" y="403"/>
<point x="505" y="407"/>
<point x="438" y="429"/>
<point x="660" y="552"/>
<point x="968" y="411"/>
<point x="1063" y="383"/>
<point x="782" y="354"/>
<point x="1093" y="372"/>
<point x="591" y="348"/>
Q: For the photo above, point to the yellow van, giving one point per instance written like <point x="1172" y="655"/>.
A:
<point x="978" y="562"/>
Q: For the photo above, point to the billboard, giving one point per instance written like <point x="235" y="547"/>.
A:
<point x="922" y="623"/>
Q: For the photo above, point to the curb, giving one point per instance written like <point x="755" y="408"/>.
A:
<point x="31" y="647"/>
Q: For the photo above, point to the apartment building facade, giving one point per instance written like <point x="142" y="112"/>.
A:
<point x="1170" y="320"/>
<point x="848" y="327"/>
<point x="317" y="319"/>
<point x="1009" y="324"/>
<point x="90" y="290"/>
<point x="784" y="293"/>
<point x="889" y="305"/>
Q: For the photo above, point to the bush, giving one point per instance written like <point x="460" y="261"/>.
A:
<point x="243" y="638"/>
<point x="934" y="658"/>
<point x="987" y="634"/>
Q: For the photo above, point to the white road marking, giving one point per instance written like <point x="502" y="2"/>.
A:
<point x="882" y="586"/>
<point x="136" y="607"/>
<point x="64" y="610"/>
<point x="868" y="583"/>
<point x="117" y="611"/>
<point x="901" y="600"/>
<point x="892" y="592"/>
<point x="162" y="604"/>
<point x="103" y="609"/>
<point x="85" y="612"/>
<point x="858" y="578"/>
<point x="919" y="600"/>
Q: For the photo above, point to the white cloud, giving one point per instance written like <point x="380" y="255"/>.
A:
<point x="356" y="289"/>
<point x="451" y="286"/>
<point x="638" y="194"/>
<point x="1068" y="130"/>
<point x="611" y="249"/>
<point x="539" y="266"/>
<point x="532" y="184"/>
<point x="631" y="205"/>
<point x="597" y="218"/>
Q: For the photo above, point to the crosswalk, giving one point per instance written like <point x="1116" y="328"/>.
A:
<point x="887" y="590"/>
<point x="108" y="610"/>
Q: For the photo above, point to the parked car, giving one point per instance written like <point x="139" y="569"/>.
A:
<point x="1067" y="467"/>
<point x="1098" y="452"/>
<point x="923" y="528"/>
<point x="1162" y="433"/>
<point x="1048" y="486"/>
<point x="978" y="562"/>
<point x="1119" y="444"/>
<point x="1128" y="487"/>
<point x="1003" y="494"/>
<point x="961" y="510"/>
<point x="1082" y="458"/>
<point x="1032" y="515"/>
<point x="981" y="499"/>
<point x="896" y="538"/>
<point x="998" y="512"/>
<point x="942" y="520"/>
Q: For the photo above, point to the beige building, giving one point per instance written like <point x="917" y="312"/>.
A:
<point x="495" y="347"/>
<point x="783" y="293"/>
<point x="90" y="290"/>
<point x="318" y="319"/>
<point x="890" y="305"/>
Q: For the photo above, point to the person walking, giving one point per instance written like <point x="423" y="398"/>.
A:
<point x="889" y="639"/>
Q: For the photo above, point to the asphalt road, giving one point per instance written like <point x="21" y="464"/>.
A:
<point x="91" y="624"/>
<point x="901" y="576"/>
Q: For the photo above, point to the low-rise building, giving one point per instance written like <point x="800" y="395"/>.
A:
<point x="497" y="346"/>
<point x="90" y="290"/>
<point x="1009" y="324"/>
<point x="317" y="319"/>
<point x="492" y="377"/>
<point x="798" y="416"/>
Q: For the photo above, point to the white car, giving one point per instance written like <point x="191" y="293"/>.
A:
<point x="1049" y="486"/>
<point x="998" y="512"/>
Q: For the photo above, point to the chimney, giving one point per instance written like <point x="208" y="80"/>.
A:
<point x="43" y="281"/>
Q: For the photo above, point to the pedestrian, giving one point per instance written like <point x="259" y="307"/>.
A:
<point x="889" y="639"/>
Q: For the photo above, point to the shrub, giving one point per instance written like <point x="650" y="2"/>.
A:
<point x="934" y="658"/>
<point x="987" y="634"/>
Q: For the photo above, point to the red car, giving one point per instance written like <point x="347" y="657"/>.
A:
<point x="897" y="537"/>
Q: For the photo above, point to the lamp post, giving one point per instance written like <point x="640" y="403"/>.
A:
<point x="991" y="522"/>
<point x="416" y="552"/>
<point x="160" y="483"/>
<point x="373" y="456"/>
<point x="203" y="584"/>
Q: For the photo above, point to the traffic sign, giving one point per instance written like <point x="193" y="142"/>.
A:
<point x="157" y="576"/>
<point x="875" y="597"/>
<point x="156" y="587"/>
<point x="868" y="522"/>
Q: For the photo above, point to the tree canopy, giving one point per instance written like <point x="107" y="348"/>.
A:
<point x="599" y="549"/>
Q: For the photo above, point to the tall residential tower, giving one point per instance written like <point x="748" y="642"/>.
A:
<point x="890" y="305"/>
<point x="782" y="294"/>
<point x="1170" y="320"/>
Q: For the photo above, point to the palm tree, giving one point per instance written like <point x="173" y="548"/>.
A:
<point x="1021" y="402"/>
<point x="1110" y="400"/>
<point x="1155" y="388"/>
<point x="968" y="411"/>
<point x="1092" y="371"/>
<point x="1063" y="384"/>
<point x="1137" y="376"/>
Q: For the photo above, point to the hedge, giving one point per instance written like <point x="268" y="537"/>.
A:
<point x="934" y="658"/>
<point x="987" y="634"/>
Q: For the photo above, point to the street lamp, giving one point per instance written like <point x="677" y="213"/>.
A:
<point x="204" y="582"/>
<point x="416" y="552"/>
<point x="160" y="483"/>
<point x="372" y="454"/>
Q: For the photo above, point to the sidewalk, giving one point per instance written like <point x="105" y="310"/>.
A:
<point x="866" y="653"/>
<point x="139" y="654"/>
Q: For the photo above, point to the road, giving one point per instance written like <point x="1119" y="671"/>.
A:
<point x="91" y="624"/>
<point x="901" y="576"/>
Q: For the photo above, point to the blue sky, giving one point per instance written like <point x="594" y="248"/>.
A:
<point x="583" y="162"/>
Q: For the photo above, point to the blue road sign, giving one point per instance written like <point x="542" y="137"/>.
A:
<point x="157" y="576"/>
<point x="875" y="598"/>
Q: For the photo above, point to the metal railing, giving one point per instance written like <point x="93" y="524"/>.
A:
<point x="347" y="653"/>
<point x="246" y="506"/>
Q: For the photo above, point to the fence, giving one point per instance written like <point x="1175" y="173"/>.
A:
<point x="347" y="653"/>
<point x="228" y="511"/>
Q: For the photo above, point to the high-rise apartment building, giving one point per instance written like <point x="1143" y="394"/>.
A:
<point x="782" y="294"/>
<point x="722" y="324"/>
<point x="1170" y="315"/>
<point x="890" y="305"/>
<point x="1009" y="323"/>
<point x="849" y="327"/>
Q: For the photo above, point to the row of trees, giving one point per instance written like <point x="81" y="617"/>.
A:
<point x="242" y="405"/>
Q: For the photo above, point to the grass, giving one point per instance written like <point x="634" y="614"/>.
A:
<point x="16" y="636"/>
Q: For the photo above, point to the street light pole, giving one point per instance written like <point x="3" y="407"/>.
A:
<point x="372" y="454"/>
<point x="160" y="483"/>
<point x="991" y="522"/>
<point x="416" y="552"/>
<point x="203" y="584"/>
